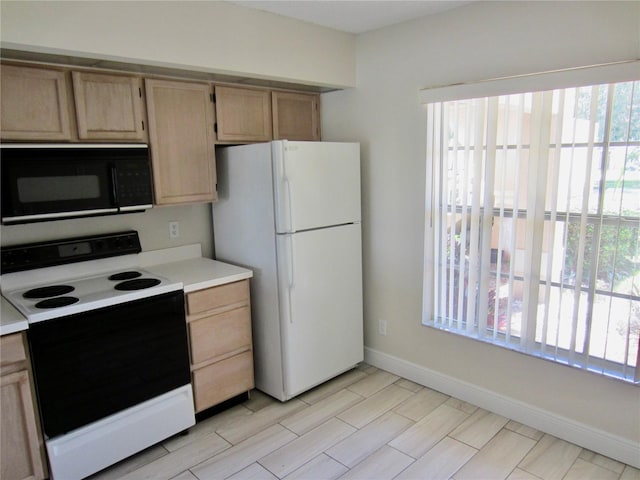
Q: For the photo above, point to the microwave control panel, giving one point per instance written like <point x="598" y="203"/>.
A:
<point x="134" y="183"/>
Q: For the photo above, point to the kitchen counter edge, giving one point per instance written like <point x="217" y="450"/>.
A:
<point x="11" y="320"/>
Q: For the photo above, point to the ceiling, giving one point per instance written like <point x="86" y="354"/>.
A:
<point x="353" y="16"/>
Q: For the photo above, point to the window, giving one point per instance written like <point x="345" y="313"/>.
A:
<point x="533" y="223"/>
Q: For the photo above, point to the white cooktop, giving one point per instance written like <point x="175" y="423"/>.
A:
<point x="92" y="292"/>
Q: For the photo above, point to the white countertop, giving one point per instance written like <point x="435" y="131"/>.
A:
<point x="181" y="264"/>
<point x="11" y="320"/>
<point x="199" y="273"/>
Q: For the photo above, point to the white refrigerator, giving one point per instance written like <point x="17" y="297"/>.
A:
<point x="290" y="211"/>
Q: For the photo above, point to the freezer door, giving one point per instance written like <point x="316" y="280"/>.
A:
<point x="321" y="305"/>
<point x="317" y="184"/>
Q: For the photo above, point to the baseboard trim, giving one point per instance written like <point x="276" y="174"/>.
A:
<point x="585" y="436"/>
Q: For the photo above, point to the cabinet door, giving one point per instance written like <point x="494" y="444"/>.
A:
<point x="296" y="116"/>
<point x="34" y="104"/>
<point x="108" y="107"/>
<point x="243" y="114"/>
<point x="22" y="454"/>
<point x="181" y="138"/>
<point x="20" y="442"/>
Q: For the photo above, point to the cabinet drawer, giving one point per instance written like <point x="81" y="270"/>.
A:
<point x="220" y="334"/>
<point x="12" y="353"/>
<point x="223" y="380"/>
<point x="217" y="297"/>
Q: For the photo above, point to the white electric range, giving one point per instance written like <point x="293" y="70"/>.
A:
<point x="108" y="346"/>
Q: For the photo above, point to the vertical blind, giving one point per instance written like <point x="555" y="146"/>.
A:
<point x="533" y="221"/>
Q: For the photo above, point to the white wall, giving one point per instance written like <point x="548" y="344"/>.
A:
<point x="474" y="42"/>
<point x="209" y="36"/>
<point x="195" y="225"/>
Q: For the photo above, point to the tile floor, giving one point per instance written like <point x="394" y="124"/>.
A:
<point x="365" y="424"/>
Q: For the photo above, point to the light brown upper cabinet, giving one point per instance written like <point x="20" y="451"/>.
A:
<point x="181" y="120"/>
<point x="34" y="104"/>
<point x="108" y="107"/>
<point x="296" y="116"/>
<point x="243" y="114"/>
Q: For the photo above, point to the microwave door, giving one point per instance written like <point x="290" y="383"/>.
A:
<point x="61" y="187"/>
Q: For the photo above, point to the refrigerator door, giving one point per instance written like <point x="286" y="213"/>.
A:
<point x="320" y="283"/>
<point x="317" y="184"/>
<point x="243" y="224"/>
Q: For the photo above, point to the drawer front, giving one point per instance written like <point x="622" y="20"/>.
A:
<point x="12" y="352"/>
<point x="220" y="334"/>
<point x="223" y="380"/>
<point x="217" y="297"/>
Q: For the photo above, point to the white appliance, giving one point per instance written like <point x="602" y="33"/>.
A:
<point x="108" y="348"/>
<point x="290" y="211"/>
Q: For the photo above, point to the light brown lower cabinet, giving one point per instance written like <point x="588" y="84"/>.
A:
<point x="220" y="345"/>
<point x="22" y="452"/>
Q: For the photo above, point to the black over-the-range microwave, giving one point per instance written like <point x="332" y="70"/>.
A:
<point x="54" y="181"/>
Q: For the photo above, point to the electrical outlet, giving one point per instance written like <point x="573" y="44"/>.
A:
<point x="174" y="229"/>
<point x="382" y="327"/>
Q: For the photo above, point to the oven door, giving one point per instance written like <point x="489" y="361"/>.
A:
<point x="93" y="364"/>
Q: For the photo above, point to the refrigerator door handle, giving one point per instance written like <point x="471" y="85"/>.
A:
<point x="291" y="278"/>
<point x="286" y="200"/>
<point x="289" y="204"/>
